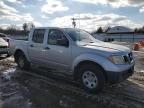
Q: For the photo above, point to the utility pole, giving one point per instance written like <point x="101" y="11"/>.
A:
<point x="73" y="22"/>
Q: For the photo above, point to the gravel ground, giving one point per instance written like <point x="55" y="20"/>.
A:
<point x="31" y="89"/>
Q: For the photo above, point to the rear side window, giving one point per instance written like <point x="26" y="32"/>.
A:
<point x="38" y="35"/>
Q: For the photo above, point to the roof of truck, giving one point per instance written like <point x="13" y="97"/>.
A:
<point x="45" y="27"/>
<point x="53" y="28"/>
<point x="64" y="29"/>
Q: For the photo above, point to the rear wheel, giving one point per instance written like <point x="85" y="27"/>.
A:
<point x="91" y="78"/>
<point x="22" y="62"/>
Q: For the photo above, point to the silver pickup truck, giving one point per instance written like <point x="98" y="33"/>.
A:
<point x="89" y="61"/>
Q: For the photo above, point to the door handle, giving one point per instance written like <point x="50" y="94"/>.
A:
<point x="31" y="45"/>
<point x="47" y="48"/>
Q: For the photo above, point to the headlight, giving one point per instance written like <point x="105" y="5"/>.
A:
<point x="117" y="59"/>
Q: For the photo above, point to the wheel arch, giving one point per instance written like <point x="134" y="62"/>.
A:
<point x="76" y="73"/>
<point x="17" y="52"/>
<point x="26" y="64"/>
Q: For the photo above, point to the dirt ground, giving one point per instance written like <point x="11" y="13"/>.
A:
<point x="39" y="88"/>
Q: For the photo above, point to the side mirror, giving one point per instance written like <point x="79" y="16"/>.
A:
<point x="63" y="43"/>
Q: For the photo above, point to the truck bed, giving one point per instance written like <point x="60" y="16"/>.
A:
<point x="17" y="43"/>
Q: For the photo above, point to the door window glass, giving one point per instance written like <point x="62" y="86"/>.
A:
<point x="38" y="35"/>
<point x="54" y="36"/>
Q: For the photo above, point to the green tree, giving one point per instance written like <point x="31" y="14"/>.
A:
<point x="99" y="30"/>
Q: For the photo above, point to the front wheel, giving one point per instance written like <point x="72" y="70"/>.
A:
<point x="22" y="62"/>
<point x="91" y="78"/>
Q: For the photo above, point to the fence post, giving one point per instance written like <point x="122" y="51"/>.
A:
<point x="133" y="37"/>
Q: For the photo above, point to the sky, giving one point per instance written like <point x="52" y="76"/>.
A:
<point x="90" y="14"/>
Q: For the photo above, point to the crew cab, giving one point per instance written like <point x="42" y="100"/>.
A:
<point x="91" y="62"/>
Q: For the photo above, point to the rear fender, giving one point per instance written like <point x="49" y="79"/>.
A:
<point x="24" y="50"/>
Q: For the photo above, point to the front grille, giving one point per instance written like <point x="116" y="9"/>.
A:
<point x="130" y="55"/>
<point x="128" y="58"/>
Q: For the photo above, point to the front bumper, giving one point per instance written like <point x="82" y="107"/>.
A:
<point x="116" y="77"/>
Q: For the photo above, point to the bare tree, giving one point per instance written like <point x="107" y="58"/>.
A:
<point x="30" y="26"/>
<point x="136" y="30"/>
<point x="107" y="29"/>
<point x="12" y="27"/>
<point x="25" y="26"/>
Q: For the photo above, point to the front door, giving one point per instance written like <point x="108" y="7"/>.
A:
<point x="58" y="50"/>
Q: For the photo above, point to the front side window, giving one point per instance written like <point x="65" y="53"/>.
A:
<point x="38" y="35"/>
<point x="55" y="36"/>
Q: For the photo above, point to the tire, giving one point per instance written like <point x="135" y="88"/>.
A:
<point x="91" y="78"/>
<point x="22" y="62"/>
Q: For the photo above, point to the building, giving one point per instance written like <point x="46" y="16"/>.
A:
<point x="122" y="34"/>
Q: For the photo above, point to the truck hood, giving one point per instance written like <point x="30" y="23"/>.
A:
<point x="107" y="47"/>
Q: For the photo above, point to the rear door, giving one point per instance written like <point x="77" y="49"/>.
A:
<point x="35" y="47"/>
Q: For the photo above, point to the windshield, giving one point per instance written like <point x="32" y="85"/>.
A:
<point x="79" y="35"/>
